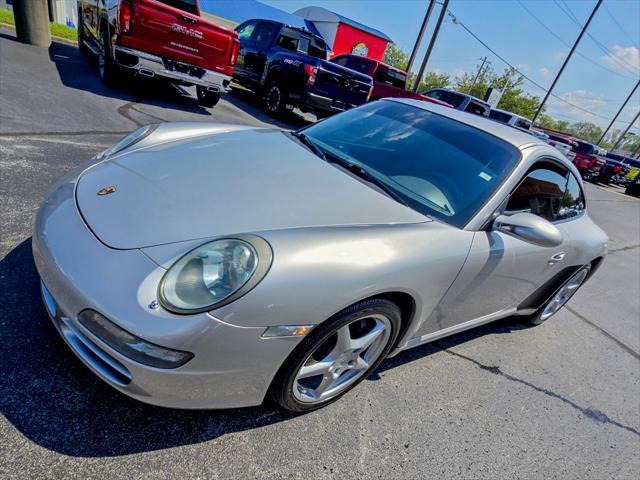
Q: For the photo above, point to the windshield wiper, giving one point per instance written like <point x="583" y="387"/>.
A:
<point x="349" y="166"/>
<point x="365" y="175"/>
<point x="304" y="138"/>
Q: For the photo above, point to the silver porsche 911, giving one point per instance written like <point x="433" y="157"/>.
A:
<point x="195" y="265"/>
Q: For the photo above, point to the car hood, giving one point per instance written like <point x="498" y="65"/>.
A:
<point x="230" y="183"/>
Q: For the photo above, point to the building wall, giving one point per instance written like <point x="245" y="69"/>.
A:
<point x="348" y="37"/>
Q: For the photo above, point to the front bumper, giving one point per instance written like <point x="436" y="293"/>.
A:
<point x="232" y="365"/>
<point x="150" y="65"/>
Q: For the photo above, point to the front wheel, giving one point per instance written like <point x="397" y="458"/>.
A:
<point x="337" y="355"/>
<point x="207" y="98"/>
<point x="561" y="297"/>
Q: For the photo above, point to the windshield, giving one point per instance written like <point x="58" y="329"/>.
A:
<point x="438" y="166"/>
<point x="585" y="148"/>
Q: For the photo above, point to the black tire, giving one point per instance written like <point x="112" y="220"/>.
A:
<point x="281" y="391"/>
<point x="207" y="98"/>
<point x="275" y="98"/>
<point x="107" y="68"/>
<point x="542" y="315"/>
<point x="81" y="45"/>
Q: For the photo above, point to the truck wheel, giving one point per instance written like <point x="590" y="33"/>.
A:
<point x="207" y="98"/>
<point x="81" y="45"/>
<point x="107" y="68"/>
<point x="275" y="98"/>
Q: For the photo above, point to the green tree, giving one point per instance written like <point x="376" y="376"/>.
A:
<point x="395" y="57"/>
<point x="510" y="82"/>
<point x="586" y="130"/>
<point x="430" y="80"/>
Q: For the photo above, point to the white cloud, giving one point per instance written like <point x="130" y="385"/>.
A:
<point x="523" y="67"/>
<point x="585" y="99"/>
<point x="458" y="72"/>
<point x="544" y="72"/>
<point x="623" y="59"/>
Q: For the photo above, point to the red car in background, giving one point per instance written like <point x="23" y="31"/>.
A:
<point x="159" y="38"/>
<point x="388" y="81"/>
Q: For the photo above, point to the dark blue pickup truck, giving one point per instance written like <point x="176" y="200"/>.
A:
<point x="288" y="66"/>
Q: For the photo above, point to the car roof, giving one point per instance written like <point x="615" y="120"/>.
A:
<point x="372" y="60"/>
<point x="509" y="113"/>
<point x="505" y="132"/>
<point x="479" y="100"/>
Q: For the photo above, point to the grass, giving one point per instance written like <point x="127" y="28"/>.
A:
<point x="57" y="30"/>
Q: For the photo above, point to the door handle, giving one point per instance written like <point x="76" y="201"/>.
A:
<point x="558" y="257"/>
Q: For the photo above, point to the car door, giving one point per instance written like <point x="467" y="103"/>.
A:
<point x="256" y="56"/>
<point x="501" y="270"/>
<point x="245" y="32"/>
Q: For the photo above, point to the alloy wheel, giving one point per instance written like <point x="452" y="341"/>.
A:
<point x="564" y="294"/>
<point x="274" y="97"/>
<point x="340" y="360"/>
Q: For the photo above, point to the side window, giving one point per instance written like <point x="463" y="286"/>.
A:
<point x="341" y="61"/>
<point x="541" y="193"/>
<point x="264" y="33"/>
<point x="287" y="42"/>
<point x="245" y="31"/>
<point x="573" y="199"/>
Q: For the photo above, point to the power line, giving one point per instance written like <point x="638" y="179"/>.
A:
<point x="566" y="44"/>
<point x="619" y="61"/>
<point x="620" y="26"/>
<point x="457" y="21"/>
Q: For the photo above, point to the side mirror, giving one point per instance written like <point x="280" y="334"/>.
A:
<point x="530" y="228"/>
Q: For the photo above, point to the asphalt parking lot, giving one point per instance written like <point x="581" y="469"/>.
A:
<point x="502" y="401"/>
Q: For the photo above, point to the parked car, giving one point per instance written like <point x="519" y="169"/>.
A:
<point x="611" y="170"/>
<point x="460" y="101"/>
<point x="632" y="166"/>
<point x="587" y="159"/>
<point x="159" y="38"/>
<point x="510" y="118"/>
<point x="388" y="81"/>
<point x="633" y="187"/>
<point x="260" y="263"/>
<point x="288" y="66"/>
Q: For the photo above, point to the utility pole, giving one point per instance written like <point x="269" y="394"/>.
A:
<point x="423" y="28"/>
<point x="621" y="108"/>
<point x="626" y="130"/>
<point x="432" y="42"/>
<point x="32" y="22"/>
<point x="566" y="60"/>
<point x="484" y="60"/>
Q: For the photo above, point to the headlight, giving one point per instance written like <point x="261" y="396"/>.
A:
<point x="215" y="274"/>
<point x="129" y="140"/>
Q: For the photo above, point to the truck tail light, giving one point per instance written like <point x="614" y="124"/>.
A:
<point x="124" y="16"/>
<point x="312" y="73"/>
<point x="617" y="169"/>
<point x="234" y="53"/>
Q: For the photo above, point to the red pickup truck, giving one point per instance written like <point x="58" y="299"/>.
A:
<point x="164" y="38"/>
<point x="388" y="81"/>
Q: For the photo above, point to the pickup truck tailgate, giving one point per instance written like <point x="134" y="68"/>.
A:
<point x="342" y="83"/>
<point x="169" y="32"/>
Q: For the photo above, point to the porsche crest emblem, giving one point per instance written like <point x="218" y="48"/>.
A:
<point x="107" y="190"/>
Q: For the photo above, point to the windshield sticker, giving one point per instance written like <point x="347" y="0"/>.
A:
<point x="485" y="176"/>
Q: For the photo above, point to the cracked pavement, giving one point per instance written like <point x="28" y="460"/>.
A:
<point x="498" y="402"/>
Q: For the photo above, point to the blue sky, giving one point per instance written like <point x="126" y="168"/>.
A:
<point x="507" y="27"/>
